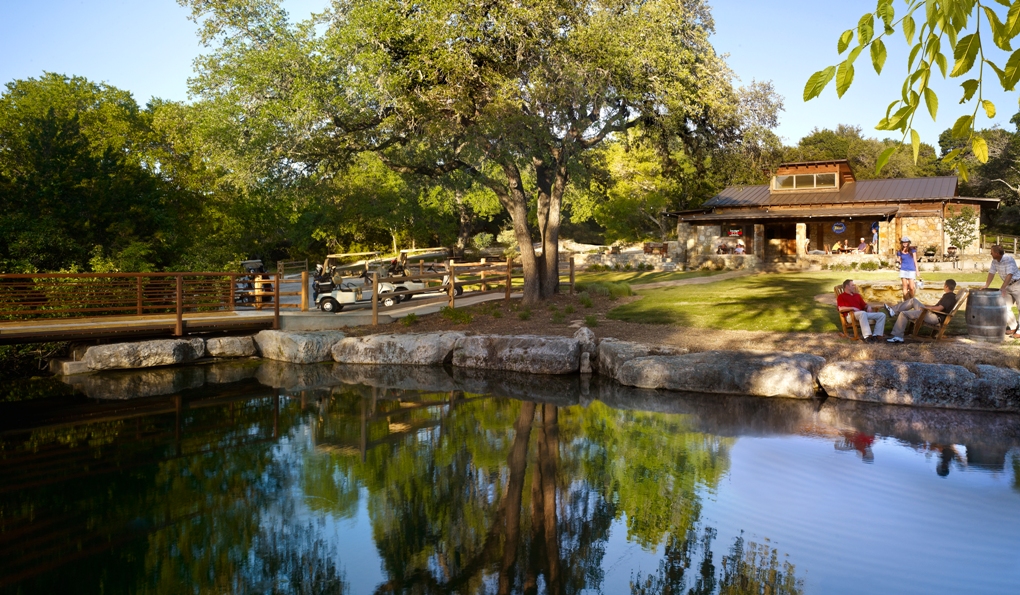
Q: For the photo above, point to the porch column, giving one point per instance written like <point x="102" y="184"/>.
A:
<point x="759" y="242"/>
<point x="801" y="236"/>
<point x="685" y="239"/>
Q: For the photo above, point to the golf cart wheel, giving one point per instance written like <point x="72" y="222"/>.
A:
<point x="458" y="290"/>
<point x="331" y="305"/>
<point x="389" y="300"/>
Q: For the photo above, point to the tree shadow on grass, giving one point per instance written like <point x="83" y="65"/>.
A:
<point x="768" y="302"/>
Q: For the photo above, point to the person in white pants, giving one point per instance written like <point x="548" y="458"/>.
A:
<point x="851" y="301"/>
<point x="1005" y="266"/>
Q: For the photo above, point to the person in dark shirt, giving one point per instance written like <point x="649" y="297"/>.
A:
<point x="907" y="312"/>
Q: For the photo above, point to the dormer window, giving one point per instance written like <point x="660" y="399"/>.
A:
<point x="804" y="181"/>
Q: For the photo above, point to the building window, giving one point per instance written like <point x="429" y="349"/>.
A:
<point x="804" y="181"/>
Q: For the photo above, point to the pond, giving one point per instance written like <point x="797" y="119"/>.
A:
<point x="271" y="478"/>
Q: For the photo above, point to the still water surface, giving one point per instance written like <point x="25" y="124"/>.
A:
<point x="331" y="479"/>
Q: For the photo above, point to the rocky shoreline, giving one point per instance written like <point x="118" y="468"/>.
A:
<point x="744" y="372"/>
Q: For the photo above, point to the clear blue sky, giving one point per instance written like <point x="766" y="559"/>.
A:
<point x="147" y="47"/>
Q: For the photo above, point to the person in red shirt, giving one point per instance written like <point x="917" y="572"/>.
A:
<point x="852" y="301"/>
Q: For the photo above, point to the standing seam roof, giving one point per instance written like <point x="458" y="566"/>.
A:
<point x="935" y="188"/>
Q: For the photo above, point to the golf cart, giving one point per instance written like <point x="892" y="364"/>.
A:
<point x="336" y="285"/>
<point x="398" y="267"/>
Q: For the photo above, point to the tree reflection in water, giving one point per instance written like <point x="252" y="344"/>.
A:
<point x="492" y="495"/>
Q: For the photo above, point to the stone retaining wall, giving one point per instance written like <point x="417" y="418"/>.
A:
<point x="773" y="374"/>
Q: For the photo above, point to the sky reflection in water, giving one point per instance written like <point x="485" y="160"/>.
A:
<point x="282" y="479"/>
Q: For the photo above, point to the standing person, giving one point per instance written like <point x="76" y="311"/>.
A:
<point x="851" y="301"/>
<point x="874" y="236"/>
<point x="1005" y="266"/>
<point x="907" y="257"/>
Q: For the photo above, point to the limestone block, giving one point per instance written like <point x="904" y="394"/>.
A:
<point x="230" y="347"/>
<point x="137" y="383"/>
<point x="585" y="338"/>
<point x="926" y="385"/>
<point x="585" y="363"/>
<point x="522" y="353"/>
<point x="426" y="349"/>
<point x="145" y="354"/>
<point x="613" y="353"/>
<point x="297" y="347"/>
<point x="778" y="374"/>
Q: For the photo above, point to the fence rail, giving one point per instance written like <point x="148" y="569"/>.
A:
<point x="26" y="297"/>
<point x="1008" y="243"/>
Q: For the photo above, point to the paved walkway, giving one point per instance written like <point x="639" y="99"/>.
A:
<point x="694" y="280"/>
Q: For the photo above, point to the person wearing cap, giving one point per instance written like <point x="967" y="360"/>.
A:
<point x="862" y="247"/>
<point x="1005" y="266"/>
<point x="906" y="255"/>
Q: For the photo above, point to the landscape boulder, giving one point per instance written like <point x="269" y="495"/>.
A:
<point x="925" y="385"/>
<point x="144" y="354"/>
<point x="775" y="374"/>
<point x="230" y="347"/>
<point x="613" y="353"/>
<point x="522" y="353"/>
<point x="586" y="342"/>
<point x="426" y="349"/>
<point x="297" y="347"/>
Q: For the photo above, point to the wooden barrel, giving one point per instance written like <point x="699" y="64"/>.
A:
<point x="986" y="315"/>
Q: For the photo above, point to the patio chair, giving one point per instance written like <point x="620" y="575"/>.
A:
<point x="847" y="318"/>
<point x="944" y="319"/>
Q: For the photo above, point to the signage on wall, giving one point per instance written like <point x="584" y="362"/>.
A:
<point x="736" y="233"/>
<point x="838" y="227"/>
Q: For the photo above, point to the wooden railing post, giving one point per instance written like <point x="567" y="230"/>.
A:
<point x="509" y="275"/>
<point x="485" y="286"/>
<point x="276" y="302"/>
<point x="138" y="294"/>
<point x="179" y="330"/>
<point x="304" y="291"/>
<point x="453" y="285"/>
<point x="375" y="299"/>
<point x="571" y="275"/>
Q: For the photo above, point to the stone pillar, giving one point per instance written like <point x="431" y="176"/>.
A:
<point x="759" y="242"/>
<point x="887" y="240"/>
<point x="801" y="236"/>
<point x="685" y="240"/>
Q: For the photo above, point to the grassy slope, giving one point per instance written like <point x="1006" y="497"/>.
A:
<point x="636" y="278"/>
<point x="775" y="302"/>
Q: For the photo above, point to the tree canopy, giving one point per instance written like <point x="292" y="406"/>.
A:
<point x="511" y="95"/>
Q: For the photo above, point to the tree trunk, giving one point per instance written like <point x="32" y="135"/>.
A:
<point x="516" y="203"/>
<point x="552" y="181"/>
<point x="517" y="465"/>
<point x="466" y="223"/>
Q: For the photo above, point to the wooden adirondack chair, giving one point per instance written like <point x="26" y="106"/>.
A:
<point x="944" y="319"/>
<point x="847" y="318"/>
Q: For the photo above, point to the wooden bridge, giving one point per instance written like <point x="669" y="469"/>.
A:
<point x="44" y="307"/>
<point x="62" y="307"/>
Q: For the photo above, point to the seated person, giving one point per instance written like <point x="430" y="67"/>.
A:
<point x="722" y="249"/>
<point x="739" y="249"/>
<point x="862" y="247"/>
<point x="909" y="311"/>
<point x="837" y="247"/>
<point x="852" y="301"/>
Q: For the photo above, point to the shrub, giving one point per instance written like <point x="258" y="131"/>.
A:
<point x="524" y="314"/>
<point x="585" y="300"/>
<point x="410" y="319"/>
<point x="628" y="267"/>
<point x="596" y="268"/>
<point x="455" y="316"/>
<point x="610" y="290"/>
<point x="568" y="309"/>
<point x="508" y="239"/>
<point x="553" y="308"/>
<point x="559" y="317"/>
<point x="853" y="266"/>
<point x="869" y="266"/>
<point x="591" y="320"/>
<point x="483" y="240"/>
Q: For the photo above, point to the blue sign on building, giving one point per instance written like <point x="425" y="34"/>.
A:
<point x="838" y="227"/>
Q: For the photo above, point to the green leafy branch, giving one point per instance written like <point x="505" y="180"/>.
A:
<point x="944" y="21"/>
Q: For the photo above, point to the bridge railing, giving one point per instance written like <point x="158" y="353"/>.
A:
<point x="59" y="295"/>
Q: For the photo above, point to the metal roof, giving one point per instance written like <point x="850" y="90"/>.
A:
<point x="799" y="214"/>
<point x="861" y="191"/>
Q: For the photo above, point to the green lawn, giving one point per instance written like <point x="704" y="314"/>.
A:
<point x="773" y="302"/>
<point x="640" y="278"/>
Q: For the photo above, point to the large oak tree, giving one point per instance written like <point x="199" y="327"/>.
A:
<point x="509" y="92"/>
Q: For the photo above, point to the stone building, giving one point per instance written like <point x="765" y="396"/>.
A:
<point x="808" y="207"/>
